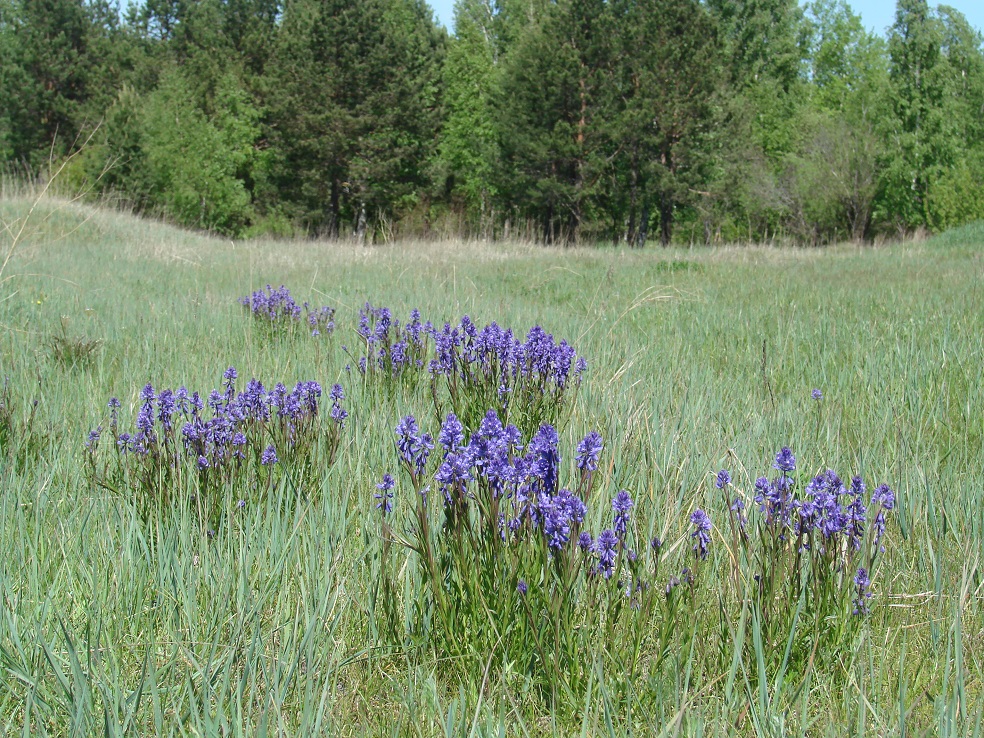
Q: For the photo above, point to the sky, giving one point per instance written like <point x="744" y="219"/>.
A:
<point x="877" y="15"/>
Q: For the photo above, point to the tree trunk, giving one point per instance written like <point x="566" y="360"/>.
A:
<point x="630" y="233"/>
<point x="361" y="225"/>
<point x="334" y="210"/>
<point x="548" y="225"/>
<point x="665" y="219"/>
<point x="642" y="234"/>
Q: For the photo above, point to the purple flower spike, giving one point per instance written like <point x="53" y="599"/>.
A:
<point x="606" y="547"/>
<point x="785" y="461"/>
<point x="414" y="447"/>
<point x="862" y="584"/>
<point x="621" y="504"/>
<point x="385" y="495"/>
<point x="882" y="499"/>
<point x="702" y="532"/>
<point x="588" y="451"/>
<point x="544" y="458"/>
<point x="452" y="434"/>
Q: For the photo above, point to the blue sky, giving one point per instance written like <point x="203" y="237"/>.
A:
<point x="877" y="15"/>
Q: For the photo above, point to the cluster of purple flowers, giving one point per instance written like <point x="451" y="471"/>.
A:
<point x="516" y="488"/>
<point x="495" y="356"/>
<point x="391" y="348"/>
<point x="827" y="517"/>
<point x="522" y="483"/>
<point x="227" y="426"/>
<point x="276" y="306"/>
<point x="826" y="512"/>
<point x="480" y="368"/>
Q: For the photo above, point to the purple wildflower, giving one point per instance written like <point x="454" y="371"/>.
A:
<point x="544" y="458"/>
<point x="337" y="413"/>
<point x="672" y="584"/>
<point x="883" y="498"/>
<point x="785" y="461"/>
<point x="856" y="511"/>
<point x="114" y="413"/>
<point x="738" y="508"/>
<point x="702" y="532"/>
<point x="414" y="447"/>
<point x="588" y="451"/>
<point x="452" y="433"/>
<point x="558" y="514"/>
<point x="385" y="495"/>
<point x="621" y="504"/>
<point x="606" y="547"/>
<point x="862" y="583"/>
<point x="269" y="456"/>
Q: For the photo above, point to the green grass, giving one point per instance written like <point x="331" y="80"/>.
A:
<point x="698" y="360"/>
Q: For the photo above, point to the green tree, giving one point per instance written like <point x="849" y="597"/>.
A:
<point x="554" y="103"/>
<point x="847" y="66"/>
<point x="197" y="164"/>
<point x="829" y="179"/>
<point x="59" y="70"/>
<point x="763" y="40"/>
<point x="354" y="106"/>
<point x="470" y="144"/>
<point x="669" y="64"/>
<point x="918" y="126"/>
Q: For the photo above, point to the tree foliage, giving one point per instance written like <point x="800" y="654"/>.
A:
<point x="629" y="121"/>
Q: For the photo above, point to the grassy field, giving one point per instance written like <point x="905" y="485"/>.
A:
<point x="698" y="361"/>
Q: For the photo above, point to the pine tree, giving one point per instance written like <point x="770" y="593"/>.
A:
<point x="52" y="53"/>
<point x="553" y="107"/>
<point x="668" y="81"/>
<point x="353" y="108"/>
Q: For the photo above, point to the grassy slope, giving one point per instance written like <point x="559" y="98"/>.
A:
<point x="698" y="360"/>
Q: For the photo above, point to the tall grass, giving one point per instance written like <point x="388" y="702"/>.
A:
<point x="698" y="360"/>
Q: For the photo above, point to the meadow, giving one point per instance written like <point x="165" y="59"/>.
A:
<point x="300" y="603"/>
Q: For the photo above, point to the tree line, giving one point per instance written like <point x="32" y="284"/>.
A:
<point x="630" y="121"/>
